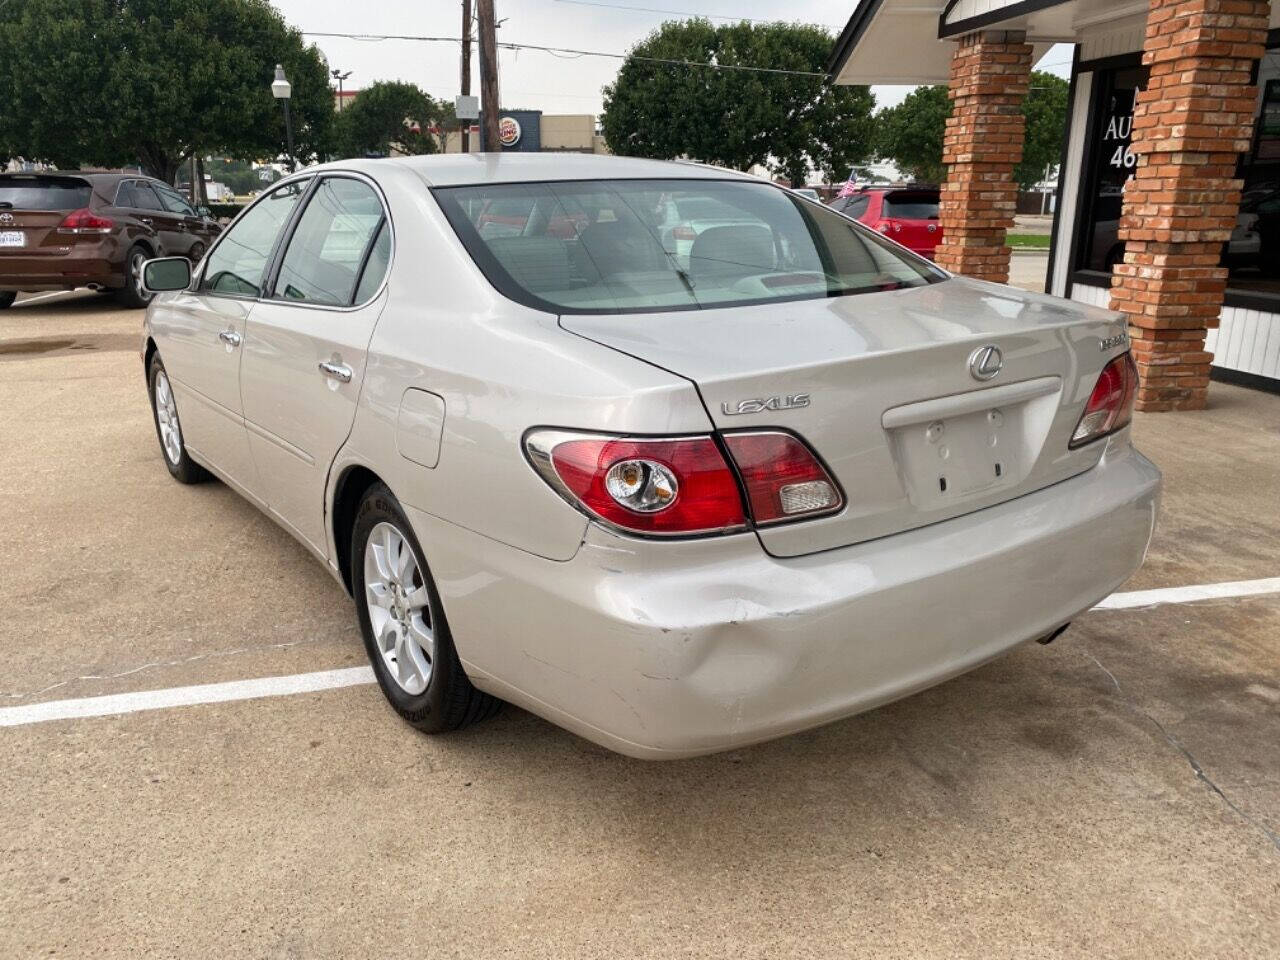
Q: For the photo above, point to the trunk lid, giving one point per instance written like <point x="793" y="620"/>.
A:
<point x="880" y="385"/>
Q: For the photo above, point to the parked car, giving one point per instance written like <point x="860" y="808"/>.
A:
<point x="65" y="230"/>
<point x="808" y="193"/>
<point x="907" y="215"/>
<point x="674" y="505"/>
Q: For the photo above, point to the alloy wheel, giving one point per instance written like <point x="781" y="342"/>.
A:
<point x="167" y="418"/>
<point x="399" y="608"/>
<point x="136" y="264"/>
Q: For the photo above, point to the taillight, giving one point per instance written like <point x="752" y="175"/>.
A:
<point x="85" y="221"/>
<point x="1110" y="406"/>
<point x="683" y="485"/>
<point x="884" y="227"/>
<point x="668" y="487"/>
<point x="684" y="233"/>
<point x="782" y="477"/>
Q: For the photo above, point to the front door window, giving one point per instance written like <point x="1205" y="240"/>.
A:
<point x="237" y="265"/>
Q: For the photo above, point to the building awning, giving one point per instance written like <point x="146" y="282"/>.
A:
<point x="910" y="41"/>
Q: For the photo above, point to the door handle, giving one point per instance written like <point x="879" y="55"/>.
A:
<point x="146" y="220"/>
<point x="338" y="371"/>
<point x="230" y="338"/>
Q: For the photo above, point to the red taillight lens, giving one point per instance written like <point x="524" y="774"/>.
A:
<point x="666" y="487"/>
<point x="85" y="221"/>
<point x="1110" y="406"/>
<point x="783" y="479"/>
<point x="684" y="233"/>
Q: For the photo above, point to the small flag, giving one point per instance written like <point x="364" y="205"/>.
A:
<point x="850" y="185"/>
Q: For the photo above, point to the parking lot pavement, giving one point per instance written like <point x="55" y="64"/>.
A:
<point x="1114" y="794"/>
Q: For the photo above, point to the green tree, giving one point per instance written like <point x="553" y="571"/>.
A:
<point x="113" y="82"/>
<point x="910" y="134"/>
<point x="238" y="175"/>
<point x="387" y="116"/>
<point x="789" y="122"/>
<point x="1045" y="108"/>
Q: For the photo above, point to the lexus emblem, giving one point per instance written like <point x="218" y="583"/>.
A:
<point x="985" y="362"/>
<point x="6" y="218"/>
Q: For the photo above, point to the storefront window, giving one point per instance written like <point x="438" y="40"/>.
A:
<point x="1108" y="167"/>
<point x="1252" y="256"/>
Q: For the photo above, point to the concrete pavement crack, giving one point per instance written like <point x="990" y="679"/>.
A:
<point x="1186" y="754"/>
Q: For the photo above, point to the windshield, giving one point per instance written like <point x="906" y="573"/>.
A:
<point x="616" y="246"/>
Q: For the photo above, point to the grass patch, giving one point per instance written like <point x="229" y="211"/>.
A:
<point x="1029" y="241"/>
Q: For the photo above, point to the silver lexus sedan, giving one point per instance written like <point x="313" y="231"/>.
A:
<point x="659" y="452"/>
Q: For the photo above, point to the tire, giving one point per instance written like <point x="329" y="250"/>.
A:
<point x="164" y="412"/>
<point x="132" y="294"/>
<point x="427" y="687"/>
<point x="6" y="298"/>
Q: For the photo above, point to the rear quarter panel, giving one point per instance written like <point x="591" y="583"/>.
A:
<point x="501" y="369"/>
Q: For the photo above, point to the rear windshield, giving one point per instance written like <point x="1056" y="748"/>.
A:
<point x="43" y="193"/>
<point x="911" y="206"/>
<point x="617" y="246"/>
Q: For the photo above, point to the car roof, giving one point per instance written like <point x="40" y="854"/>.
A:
<point x="463" y="169"/>
<point x="88" y="176"/>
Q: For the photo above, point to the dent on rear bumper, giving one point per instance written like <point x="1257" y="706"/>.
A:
<point x="677" y="649"/>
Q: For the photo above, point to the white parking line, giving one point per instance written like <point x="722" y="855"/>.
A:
<point x="43" y="296"/>
<point x="184" y="696"/>
<point x="119" y="703"/>
<point x="1204" y="591"/>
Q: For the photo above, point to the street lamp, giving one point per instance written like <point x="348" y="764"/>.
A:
<point x="339" y="76"/>
<point x="281" y="89"/>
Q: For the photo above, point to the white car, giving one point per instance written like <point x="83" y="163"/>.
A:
<point x="675" y="505"/>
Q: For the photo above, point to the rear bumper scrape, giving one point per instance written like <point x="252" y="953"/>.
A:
<point x="663" y="650"/>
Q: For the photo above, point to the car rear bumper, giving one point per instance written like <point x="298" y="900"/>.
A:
<point x="664" y="650"/>
<point x="77" y="265"/>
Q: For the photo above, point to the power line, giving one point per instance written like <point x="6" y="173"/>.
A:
<point x="678" y="13"/>
<point x="505" y="45"/>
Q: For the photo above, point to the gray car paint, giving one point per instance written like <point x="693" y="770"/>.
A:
<point x="674" y="648"/>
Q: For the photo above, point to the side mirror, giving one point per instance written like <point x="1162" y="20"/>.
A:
<point x="204" y="212"/>
<point x="166" y="273"/>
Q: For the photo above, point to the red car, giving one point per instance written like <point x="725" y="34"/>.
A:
<point x="908" y="215"/>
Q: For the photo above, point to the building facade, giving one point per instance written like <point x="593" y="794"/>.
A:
<point x="1168" y="202"/>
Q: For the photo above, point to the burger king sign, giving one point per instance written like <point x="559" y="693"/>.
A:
<point x="509" y="131"/>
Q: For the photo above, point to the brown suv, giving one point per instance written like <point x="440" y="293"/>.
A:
<point x="59" y="231"/>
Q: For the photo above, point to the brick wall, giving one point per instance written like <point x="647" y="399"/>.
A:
<point x="1190" y="124"/>
<point x="983" y="143"/>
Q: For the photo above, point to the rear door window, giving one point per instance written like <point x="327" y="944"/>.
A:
<point x="911" y="206"/>
<point x="855" y="206"/>
<point x="43" y="193"/>
<point x="331" y="244"/>
<point x="144" y="198"/>
<point x="238" y="264"/>
<point x="173" y="202"/>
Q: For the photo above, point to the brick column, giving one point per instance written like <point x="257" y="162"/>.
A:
<point x="990" y="73"/>
<point x="1189" y="127"/>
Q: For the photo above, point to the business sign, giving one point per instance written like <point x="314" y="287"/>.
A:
<point x="509" y="131"/>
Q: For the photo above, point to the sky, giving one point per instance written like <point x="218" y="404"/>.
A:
<point x="530" y="79"/>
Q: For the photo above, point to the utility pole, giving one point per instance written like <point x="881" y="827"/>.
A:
<point x="488" y="75"/>
<point x="466" y="71"/>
